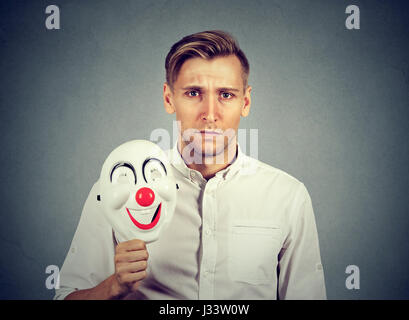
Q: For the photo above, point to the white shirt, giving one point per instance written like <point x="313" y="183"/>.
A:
<point x="247" y="233"/>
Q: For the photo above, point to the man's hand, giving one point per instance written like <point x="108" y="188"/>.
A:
<point x="131" y="261"/>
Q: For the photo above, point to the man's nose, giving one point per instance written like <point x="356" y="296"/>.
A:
<point x="145" y="197"/>
<point x="209" y="105"/>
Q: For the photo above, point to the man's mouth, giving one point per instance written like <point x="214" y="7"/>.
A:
<point x="211" y="132"/>
<point x="144" y="219"/>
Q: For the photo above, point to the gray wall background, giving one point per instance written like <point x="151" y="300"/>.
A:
<point x="331" y="106"/>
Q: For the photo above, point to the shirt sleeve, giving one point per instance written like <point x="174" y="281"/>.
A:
<point x="90" y="259"/>
<point x="300" y="272"/>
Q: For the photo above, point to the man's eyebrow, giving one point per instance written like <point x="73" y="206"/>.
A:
<point x="228" y="89"/>
<point x="194" y="87"/>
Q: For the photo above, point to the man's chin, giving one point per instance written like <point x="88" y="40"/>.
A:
<point x="215" y="154"/>
<point x="210" y="149"/>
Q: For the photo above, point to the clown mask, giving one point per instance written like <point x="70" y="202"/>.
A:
<point x="137" y="191"/>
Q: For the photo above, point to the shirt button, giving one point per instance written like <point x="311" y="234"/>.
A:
<point x="192" y="175"/>
<point x="208" y="232"/>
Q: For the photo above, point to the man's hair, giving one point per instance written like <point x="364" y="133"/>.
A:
<point x="206" y="45"/>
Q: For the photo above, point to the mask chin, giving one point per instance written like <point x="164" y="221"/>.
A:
<point x="148" y="237"/>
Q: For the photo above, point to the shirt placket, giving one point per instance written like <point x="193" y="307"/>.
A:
<point x="208" y="241"/>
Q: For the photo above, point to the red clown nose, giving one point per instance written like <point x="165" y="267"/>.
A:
<point x="145" y="197"/>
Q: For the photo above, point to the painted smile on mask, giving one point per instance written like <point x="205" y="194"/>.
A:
<point x="141" y="215"/>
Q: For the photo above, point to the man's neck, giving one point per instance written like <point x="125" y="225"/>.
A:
<point x="210" y="165"/>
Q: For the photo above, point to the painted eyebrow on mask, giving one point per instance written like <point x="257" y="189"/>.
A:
<point x="146" y="162"/>
<point x="123" y="164"/>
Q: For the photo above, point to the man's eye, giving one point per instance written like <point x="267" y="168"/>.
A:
<point x="226" y="95"/>
<point x="193" y="93"/>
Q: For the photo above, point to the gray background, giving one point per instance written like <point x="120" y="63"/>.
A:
<point x="331" y="107"/>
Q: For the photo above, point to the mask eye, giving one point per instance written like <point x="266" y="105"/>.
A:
<point x="153" y="170"/>
<point x="123" y="173"/>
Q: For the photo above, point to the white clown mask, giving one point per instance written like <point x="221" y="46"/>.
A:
<point x="137" y="191"/>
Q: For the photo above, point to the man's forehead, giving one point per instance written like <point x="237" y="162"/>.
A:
<point x="221" y="72"/>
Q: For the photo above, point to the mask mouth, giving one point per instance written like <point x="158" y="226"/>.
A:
<point x="145" y="219"/>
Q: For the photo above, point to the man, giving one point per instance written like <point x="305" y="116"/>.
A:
<point x="241" y="229"/>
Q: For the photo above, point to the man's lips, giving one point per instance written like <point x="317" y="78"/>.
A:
<point x="210" y="132"/>
<point x="146" y="226"/>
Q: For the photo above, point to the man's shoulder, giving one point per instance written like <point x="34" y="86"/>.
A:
<point x="272" y="174"/>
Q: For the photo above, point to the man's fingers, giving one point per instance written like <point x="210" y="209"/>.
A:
<point x="132" y="267"/>
<point x="129" y="278"/>
<point x="130" y="245"/>
<point x="131" y="256"/>
<point x="130" y="264"/>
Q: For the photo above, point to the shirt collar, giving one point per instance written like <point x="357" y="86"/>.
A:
<point x="177" y="161"/>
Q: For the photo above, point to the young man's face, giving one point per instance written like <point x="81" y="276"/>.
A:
<point x="209" y="98"/>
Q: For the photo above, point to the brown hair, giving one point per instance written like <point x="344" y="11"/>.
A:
<point x="207" y="45"/>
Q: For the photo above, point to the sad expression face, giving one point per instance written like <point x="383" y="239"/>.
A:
<point x="137" y="190"/>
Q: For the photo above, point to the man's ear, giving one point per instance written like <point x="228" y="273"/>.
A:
<point x="168" y="99"/>
<point x="245" y="110"/>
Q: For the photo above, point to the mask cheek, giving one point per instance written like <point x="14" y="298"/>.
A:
<point x="164" y="189"/>
<point x="117" y="197"/>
